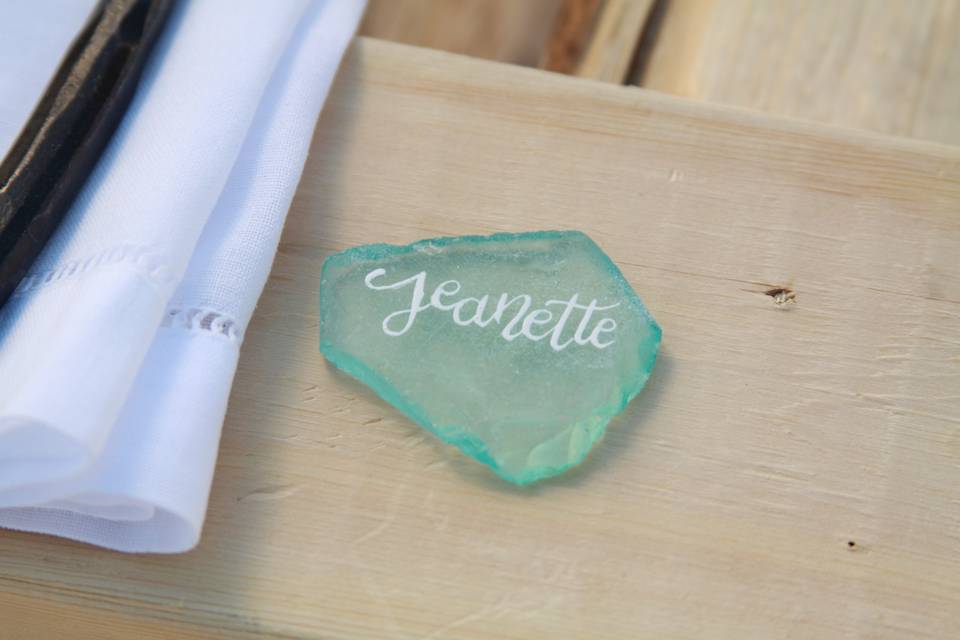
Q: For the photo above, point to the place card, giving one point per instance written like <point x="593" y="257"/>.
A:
<point x="516" y="348"/>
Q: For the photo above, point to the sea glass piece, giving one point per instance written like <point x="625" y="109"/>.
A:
<point x="516" y="348"/>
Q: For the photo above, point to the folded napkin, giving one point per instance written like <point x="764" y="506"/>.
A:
<point x="118" y="350"/>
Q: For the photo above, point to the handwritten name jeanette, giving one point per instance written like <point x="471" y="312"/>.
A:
<point x="548" y="322"/>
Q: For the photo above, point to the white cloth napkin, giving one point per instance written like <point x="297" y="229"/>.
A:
<point x="118" y="351"/>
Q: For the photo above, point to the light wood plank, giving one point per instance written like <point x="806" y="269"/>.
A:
<point x="884" y="65"/>
<point x="721" y="503"/>
<point x="610" y="52"/>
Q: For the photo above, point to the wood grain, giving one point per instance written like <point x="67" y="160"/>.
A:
<point x="572" y="29"/>
<point x="609" y="54"/>
<point x="721" y="504"/>
<point x="504" y="30"/>
<point x="892" y="67"/>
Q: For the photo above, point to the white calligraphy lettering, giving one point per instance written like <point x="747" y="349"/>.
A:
<point x="419" y="281"/>
<point x="533" y="324"/>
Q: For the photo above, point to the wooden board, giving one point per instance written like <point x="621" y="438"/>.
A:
<point x="573" y="29"/>
<point x="789" y="471"/>
<point x="891" y="66"/>
<point x="609" y="52"/>
<point x="504" y="30"/>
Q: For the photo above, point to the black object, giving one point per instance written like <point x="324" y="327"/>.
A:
<point x="70" y="127"/>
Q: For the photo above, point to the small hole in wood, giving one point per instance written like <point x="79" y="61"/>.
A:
<point x="851" y="544"/>
<point x="782" y="295"/>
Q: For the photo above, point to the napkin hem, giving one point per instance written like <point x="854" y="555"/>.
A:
<point x="148" y="261"/>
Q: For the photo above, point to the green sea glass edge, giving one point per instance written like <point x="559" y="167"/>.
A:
<point x="454" y="434"/>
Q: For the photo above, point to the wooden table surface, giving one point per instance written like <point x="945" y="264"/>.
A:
<point x="789" y="472"/>
<point x="891" y="66"/>
<point x="887" y="66"/>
